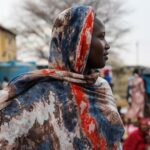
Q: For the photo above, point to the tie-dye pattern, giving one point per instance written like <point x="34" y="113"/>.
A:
<point x="60" y="108"/>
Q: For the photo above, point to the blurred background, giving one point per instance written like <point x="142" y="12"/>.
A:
<point x="25" y="33"/>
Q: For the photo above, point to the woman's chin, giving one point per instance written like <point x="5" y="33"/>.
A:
<point x="102" y="65"/>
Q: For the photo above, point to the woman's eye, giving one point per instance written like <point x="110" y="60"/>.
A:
<point x="102" y="36"/>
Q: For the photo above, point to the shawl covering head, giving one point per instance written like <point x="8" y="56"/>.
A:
<point x="77" y="111"/>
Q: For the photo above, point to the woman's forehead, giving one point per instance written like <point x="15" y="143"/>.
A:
<point x="98" y="24"/>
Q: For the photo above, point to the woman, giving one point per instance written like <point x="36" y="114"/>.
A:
<point x="67" y="106"/>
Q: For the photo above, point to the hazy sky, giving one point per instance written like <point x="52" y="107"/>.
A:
<point x="139" y="20"/>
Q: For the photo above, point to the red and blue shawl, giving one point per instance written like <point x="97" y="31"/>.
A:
<point x="60" y="108"/>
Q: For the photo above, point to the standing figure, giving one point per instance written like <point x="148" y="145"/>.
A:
<point x="137" y="93"/>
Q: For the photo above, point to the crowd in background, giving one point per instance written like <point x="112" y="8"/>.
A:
<point x="137" y="117"/>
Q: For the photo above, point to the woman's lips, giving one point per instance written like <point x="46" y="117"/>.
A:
<point x="106" y="56"/>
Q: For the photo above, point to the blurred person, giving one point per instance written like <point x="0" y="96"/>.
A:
<point x="139" y="139"/>
<point x="130" y="127"/>
<point x="129" y="89"/>
<point x="108" y="77"/>
<point x="5" y="82"/>
<point x="106" y="73"/>
<point x="137" y="93"/>
<point x="67" y="106"/>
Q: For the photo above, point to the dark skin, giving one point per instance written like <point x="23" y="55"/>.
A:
<point x="99" y="47"/>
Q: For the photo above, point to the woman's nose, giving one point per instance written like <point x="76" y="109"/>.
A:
<point x="107" y="46"/>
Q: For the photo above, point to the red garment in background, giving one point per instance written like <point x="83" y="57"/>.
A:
<point x="135" y="141"/>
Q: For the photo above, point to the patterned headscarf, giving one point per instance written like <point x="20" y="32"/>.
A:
<point x="98" y="118"/>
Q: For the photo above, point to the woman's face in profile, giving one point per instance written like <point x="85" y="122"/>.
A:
<point x="99" y="46"/>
